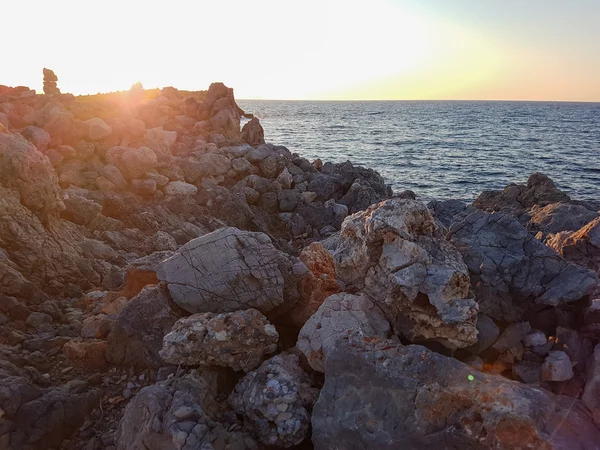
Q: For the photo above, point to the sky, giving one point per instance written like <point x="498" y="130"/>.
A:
<point x="311" y="49"/>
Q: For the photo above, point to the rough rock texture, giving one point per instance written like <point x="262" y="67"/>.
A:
<point x="511" y="270"/>
<point x="591" y="393"/>
<point x="137" y="335"/>
<point x="488" y="332"/>
<point x="581" y="247"/>
<point x="380" y="394"/>
<point x="516" y="198"/>
<point x="397" y="254"/>
<point x="319" y="283"/>
<point x="238" y="340"/>
<point x="557" y="367"/>
<point x="229" y="270"/>
<point x="275" y="401"/>
<point x="253" y="133"/>
<point x="339" y="315"/>
<point x="33" y="418"/>
<point x="178" y="414"/>
<point x="558" y="217"/>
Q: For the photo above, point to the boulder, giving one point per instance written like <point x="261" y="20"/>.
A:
<point x="238" y="340"/>
<point x="98" y="129"/>
<point x="581" y="247"/>
<point x="178" y="414"/>
<point x="396" y="253"/>
<point x="137" y="336"/>
<point x="338" y="315"/>
<point x="135" y="162"/>
<point x="160" y="142"/>
<point x="275" y="401"/>
<point x="487" y="334"/>
<point x="511" y="270"/>
<point x="557" y="367"/>
<point x="180" y="188"/>
<point x="253" y="133"/>
<point x="230" y="270"/>
<point x="381" y="394"/>
<point x="557" y="217"/>
<point x="37" y="136"/>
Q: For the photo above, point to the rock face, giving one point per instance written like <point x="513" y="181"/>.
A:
<point x="319" y="283"/>
<point x="380" y="394"/>
<point x="275" y="400"/>
<point x="177" y="414"/>
<point x="511" y="270"/>
<point x="581" y="247"/>
<point x="137" y="335"/>
<point x="253" y="133"/>
<point x="339" y="315"/>
<point x="591" y="393"/>
<point x="229" y="270"/>
<point x="50" y="79"/>
<point x="238" y="340"/>
<point x="558" y="217"/>
<point x="395" y="252"/>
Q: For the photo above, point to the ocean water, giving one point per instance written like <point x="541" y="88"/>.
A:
<point x="445" y="149"/>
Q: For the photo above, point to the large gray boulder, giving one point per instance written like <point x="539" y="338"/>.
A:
<point x="238" y="340"/>
<point x="338" y="315"/>
<point x="275" y="401"/>
<point x="382" y="395"/>
<point x="178" y="414"/>
<point x="511" y="270"/>
<point x="397" y="255"/>
<point x="231" y="270"/>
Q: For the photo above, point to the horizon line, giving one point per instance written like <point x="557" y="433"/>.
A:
<point x="414" y="100"/>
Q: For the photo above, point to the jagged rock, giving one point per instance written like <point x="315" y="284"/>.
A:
<point x="380" y="394"/>
<point x="229" y="270"/>
<point x="529" y="372"/>
<point x="591" y="393"/>
<point x="178" y="414"/>
<point x="79" y="209"/>
<point x="581" y="247"/>
<point x="557" y="367"/>
<point x="98" y="129"/>
<point x="275" y="401"/>
<point x="319" y="283"/>
<point x="558" y="217"/>
<point x="395" y="252"/>
<point x="24" y="168"/>
<point x="237" y="340"/>
<point x="449" y="211"/>
<point x="338" y="315"/>
<point x="511" y="270"/>
<point x="516" y="198"/>
<point x="137" y="335"/>
<point x="253" y="133"/>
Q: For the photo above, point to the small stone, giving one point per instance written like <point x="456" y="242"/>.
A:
<point x="557" y="367"/>
<point x="535" y="338"/>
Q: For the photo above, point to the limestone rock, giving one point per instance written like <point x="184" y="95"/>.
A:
<point x="338" y="315"/>
<point x="511" y="270"/>
<point x="230" y="270"/>
<point x="557" y="367"/>
<point x="275" y="400"/>
<point x="253" y="133"/>
<point x="178" y="414"/>
<point x="396" y="253"/>
<point x="380" y="394"/>
<point x="237" y="340"/>
<point x="137" y="335"/>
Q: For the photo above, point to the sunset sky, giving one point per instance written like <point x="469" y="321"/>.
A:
<point x="312" y="49"/>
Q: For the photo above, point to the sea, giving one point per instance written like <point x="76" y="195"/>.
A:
<point x="445" y="149"/>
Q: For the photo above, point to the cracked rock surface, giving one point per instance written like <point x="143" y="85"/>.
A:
<point x="340" y="314"/>
<point x="511" y="270"/>
<point x="275" y="401"/>
<point x="228" y="270"/>
<point x="380" y="394"/>
<point x="397" y="255"/>
<point x="238" y="340"/>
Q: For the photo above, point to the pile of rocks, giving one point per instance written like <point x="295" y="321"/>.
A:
<point x="171" y="281"/>
<point x="50" y="80"/>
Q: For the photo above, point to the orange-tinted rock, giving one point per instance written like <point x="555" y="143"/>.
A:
<point x="318" y="284"/>
<point x="86" y="354"/>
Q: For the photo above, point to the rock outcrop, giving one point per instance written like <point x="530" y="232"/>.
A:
<point x="397" y="255"/>
<point x="380" y="394"/>
<point x="511" y="270"/>
<point x="50" y="82"/>
<point x="238" y="340"/>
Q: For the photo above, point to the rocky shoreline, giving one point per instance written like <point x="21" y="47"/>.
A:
<point x="171" y="281"/>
